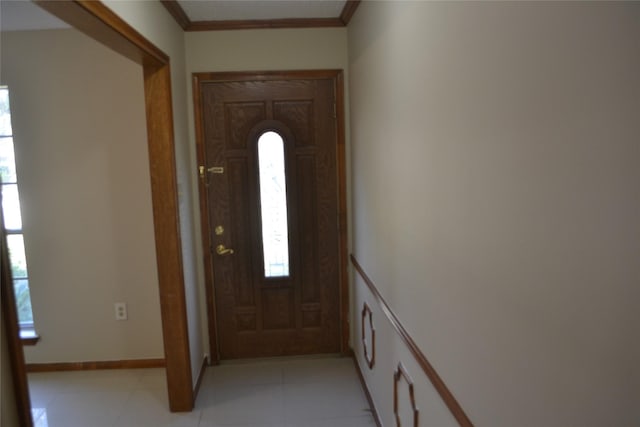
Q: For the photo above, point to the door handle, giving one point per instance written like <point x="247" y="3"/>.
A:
<point x="212" y="169"/>
<point x="222" y="250"/>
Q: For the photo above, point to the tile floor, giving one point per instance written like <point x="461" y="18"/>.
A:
<point x="304" y="392"/>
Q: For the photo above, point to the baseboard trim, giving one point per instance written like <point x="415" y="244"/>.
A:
<point x="95" y="365"/>
<point x="203" y="368"/>
<point x="374" y="411"/>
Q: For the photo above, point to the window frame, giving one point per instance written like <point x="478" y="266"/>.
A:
<point x="261" y="193"/>
<point x="28" y="335"/>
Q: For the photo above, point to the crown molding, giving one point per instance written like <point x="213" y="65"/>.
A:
<point x="349" y="9"/>
<point x="178" y="13"/>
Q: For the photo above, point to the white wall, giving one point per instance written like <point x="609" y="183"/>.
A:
<point x="81" y="153"/>
<point x="261" y="50"/>
<point x="496" y="162"/>
<point x="153" y="21"/>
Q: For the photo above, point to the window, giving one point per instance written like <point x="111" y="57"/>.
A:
<point x="13" y="218"/>
<point x="273" y="205"/>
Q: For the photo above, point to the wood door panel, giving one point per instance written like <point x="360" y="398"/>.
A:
<point x="278" y="308"/>
<point x="238" y="237"/>
<point x="258" y="316"/>
<point x="311" y="315"/>
<point x="308" y="228"/>
<point x="299" y="117"/>
<point x="246" y="322"/>
<point x="239" y="118"/>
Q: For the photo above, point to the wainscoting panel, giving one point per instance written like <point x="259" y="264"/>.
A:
<point x="368" y="338"/>
<point x="435" y="405"/>
<point x="404" y="399"/>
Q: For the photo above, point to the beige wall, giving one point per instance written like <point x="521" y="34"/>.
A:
<point x="81" y="153"/>
<point x="258" y="50"/>
<point x="218" y="51"/>
<point x="297" y="49"/>
<point x="496" y="166"/>
<point x="261" y="50"/>
<point x="153" y="21"/>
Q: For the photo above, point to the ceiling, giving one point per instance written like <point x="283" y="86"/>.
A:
<point x="210" y="15"/>
<point x="229" y="10"/>
<point x="206" y="15"/>
<point x="23" y="15"/>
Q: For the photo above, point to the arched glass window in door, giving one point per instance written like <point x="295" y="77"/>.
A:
<point x="273" y="205"/>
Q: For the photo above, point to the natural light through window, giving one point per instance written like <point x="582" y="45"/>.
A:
<point x="273" y="204"/>
<point x="13" y="218"/>
<point x="39" y="416"/>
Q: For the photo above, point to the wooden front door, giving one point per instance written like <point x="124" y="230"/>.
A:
<point x="270" y="196"/>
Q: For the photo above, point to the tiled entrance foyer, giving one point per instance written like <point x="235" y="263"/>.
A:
<point x="305" y="392"/>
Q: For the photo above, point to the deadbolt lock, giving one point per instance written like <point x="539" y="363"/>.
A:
<point x="219" y="230"/>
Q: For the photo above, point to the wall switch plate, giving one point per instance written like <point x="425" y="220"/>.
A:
<point x="121" y="310"/>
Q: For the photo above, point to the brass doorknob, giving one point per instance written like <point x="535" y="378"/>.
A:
<point x="222" y="250"/>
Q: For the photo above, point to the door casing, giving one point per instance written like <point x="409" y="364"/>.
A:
<point x="337" y="77"/>
<point x="99" y="22"/>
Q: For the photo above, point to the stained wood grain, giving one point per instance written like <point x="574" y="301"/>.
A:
<point x="255" y="316"/>
<point x="348" y="11"/>
<point x="342" y="210"/>
<point x="97" y="21"/>
<point x="164" y="193"/>
<point x="12" y="330"/>
<point x="178" y="13"/>
<point x="96" y="365"/>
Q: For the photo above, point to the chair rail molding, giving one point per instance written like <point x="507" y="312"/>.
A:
<point x="435" y="379"/>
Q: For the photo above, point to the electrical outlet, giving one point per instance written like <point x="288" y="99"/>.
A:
<point x="121" y="310"/>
